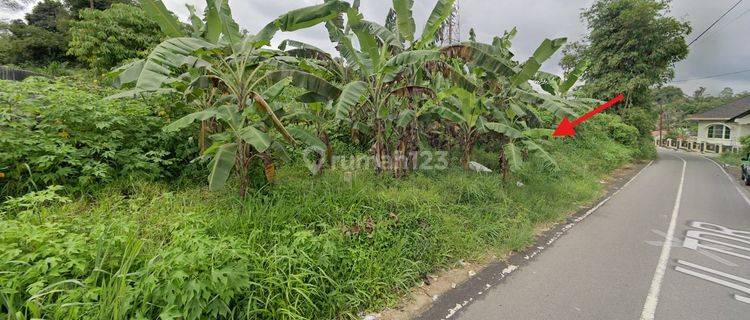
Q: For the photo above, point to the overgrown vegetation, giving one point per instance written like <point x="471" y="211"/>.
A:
<point x="321" y="248"/>
<point x="64" y="133"/>
<point x="106" y="212"/>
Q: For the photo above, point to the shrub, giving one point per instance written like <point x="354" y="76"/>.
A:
<point x="641" y="119"/>
<point x="745" y="144"/>
<point x="103" y="39"/>
<point x="623" y="133"/>
<point x="57" y="133"/>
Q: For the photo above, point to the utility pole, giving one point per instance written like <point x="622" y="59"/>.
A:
<point x="451" y="31"/>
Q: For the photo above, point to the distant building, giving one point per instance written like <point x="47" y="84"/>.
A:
<point x="722" y="127"/>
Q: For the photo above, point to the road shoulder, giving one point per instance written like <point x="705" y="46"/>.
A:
<point x="448" y="292"/>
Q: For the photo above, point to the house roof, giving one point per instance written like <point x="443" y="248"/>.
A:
<point x="727" y="112"/>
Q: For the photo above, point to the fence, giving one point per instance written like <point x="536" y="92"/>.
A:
<point x="692" y="145"/>
<point x="8" y="73"/>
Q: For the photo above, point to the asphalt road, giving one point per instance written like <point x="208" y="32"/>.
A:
<point x="674" y="243"/>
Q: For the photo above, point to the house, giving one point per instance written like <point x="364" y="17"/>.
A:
<point x="721" y="128"/>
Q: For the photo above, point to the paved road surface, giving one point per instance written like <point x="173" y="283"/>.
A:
<point x="619" y="263"/>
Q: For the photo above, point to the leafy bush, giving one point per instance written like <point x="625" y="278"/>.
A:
<point x="641" y="119"/>
<point x="610" y="126"/>
<point x="103" y="39"/>
<point x="57" y="133"/>
<point x="623" y="133"/>
<point x="745" y="144"/>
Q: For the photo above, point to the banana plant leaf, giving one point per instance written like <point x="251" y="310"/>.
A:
<point x="405" y="117"/>
<point x="572" y="77"/>
<point x="542" y="54"/>
<point x="441" y="11"/>
<point x="350" y="97"/>
<point x="473" y="54"/>
<point x="540" y="154"/>
<point x="221" y="166"/>
<point x="196" y="23"/>
<point x="159" y="67"/>
<point x="505" y="129"/>
<point x="405" y="18"/>
<point x="307" y="138"/>
<point x="513" y="154"/>
<point x="167" y="21"/>
<point x="299" y="19"/>
<point x="256" y="138"/>
<point x="385" y="35"/>
<point x="189" y="119"/>
<point x="308" y="82"/>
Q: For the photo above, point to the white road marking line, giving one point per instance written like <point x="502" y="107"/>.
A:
<point x="652" y="300"/>
<point x="718" y="273"/>
<point x="742" y="194"/>
<point x="717" y="280"/>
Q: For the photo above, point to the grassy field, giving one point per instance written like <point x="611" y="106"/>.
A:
<point x="326" y="247"/>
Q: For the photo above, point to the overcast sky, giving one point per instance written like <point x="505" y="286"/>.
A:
<point x="718" y="52"/>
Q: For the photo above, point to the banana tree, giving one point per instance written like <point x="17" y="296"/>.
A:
<point x="389" y="67"/>
<point x="471" y="113"/>
<point x="317" y="115"/>
<point x="513" y="102"/>
<point x="558" y="86"/>
<point x="234" y="77"/>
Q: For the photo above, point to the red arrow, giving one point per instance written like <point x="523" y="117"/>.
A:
<point x="567" y="128"/>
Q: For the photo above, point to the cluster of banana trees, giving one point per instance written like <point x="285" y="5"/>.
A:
<point x="386" y="88"/>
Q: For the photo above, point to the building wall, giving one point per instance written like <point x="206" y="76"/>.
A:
<point x="740" y="128"/>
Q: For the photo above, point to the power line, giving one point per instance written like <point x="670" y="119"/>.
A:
<point x="715" y="22"/>
<point x="713" y="76"/>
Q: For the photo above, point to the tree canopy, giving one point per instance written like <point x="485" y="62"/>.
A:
<point x="103" y="39"/>
<point x="632" y="45"/>
<point x="39" y="39"/>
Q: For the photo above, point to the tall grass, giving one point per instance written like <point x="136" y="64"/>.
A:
<point x="328" y="247"/>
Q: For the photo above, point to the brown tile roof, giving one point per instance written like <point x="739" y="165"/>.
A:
<point x="729" y="111"/>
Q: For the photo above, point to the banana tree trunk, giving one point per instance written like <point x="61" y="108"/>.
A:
<point x="379" y="148"/>
<point x="202" y="136"/>
<point x="243" y="165"/>
<point x="467" y="151"/>
<point x="329" y="149"/>
<point x="503" y="161"/>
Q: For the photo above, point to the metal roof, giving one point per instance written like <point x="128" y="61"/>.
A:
<point x="727" y="112"/>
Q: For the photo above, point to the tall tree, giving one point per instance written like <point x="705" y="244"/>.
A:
<point x="727" y="93"/>
<point x="632" y="45"/>
<point x="48" y="15"/>
<point x="699" y="93"/>
<point x="40" y="39"/>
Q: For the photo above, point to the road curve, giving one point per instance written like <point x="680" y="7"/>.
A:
<point x="674" y="243"/>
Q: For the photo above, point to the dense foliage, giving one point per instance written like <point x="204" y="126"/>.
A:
<point x="325" y="248"/>
<point x="621" y="64"/>
<point x="96" y="226"/>
<point x="103" y="39"/>
<point x="40" y="39"/>
<point x="59" y="133"/>
<point x="45" y="37"/>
